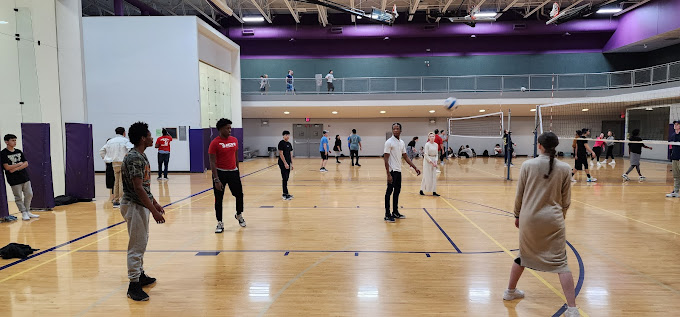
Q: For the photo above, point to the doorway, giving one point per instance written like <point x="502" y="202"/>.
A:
<point x="307" y="139"/>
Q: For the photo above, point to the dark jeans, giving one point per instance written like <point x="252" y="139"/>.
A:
<point x="610" y="152"/>
<point x="331" y="87"/>
<point x="163" y="158"/>
<point x="353" y="154"/>
<point x="233" y="180"/>
<point x="396" y="187"/>
<point x="508" y="153"/>
<point x="285" y="173"/>
<point x="598" y="152"/>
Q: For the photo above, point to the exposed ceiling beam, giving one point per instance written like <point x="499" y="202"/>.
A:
<point x="479" y="5"/>
<point x="353" y="17"/>
<point x="261" y="8"/>
<point x="220" y="4"/>
<point x="631" y="7"/>
<point x="294" y="13"/>
<point x="323" y="18"/>
<point x="383" y="5"/>
<point x="201" y="12"/>
<point x="413" y="8"/>
<point x="446" y="7"/>
<point x="512" y="4"/>
<point x="537" y="8"/>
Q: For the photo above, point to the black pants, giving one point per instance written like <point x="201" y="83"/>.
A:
<point x="163" y="158"/>
<point x="233" y="180"/>
<point x="598" y="152"/>
<point x="610" y="152"/>
<point x="331" y="87"/>
<point x="396" y="187"/>
<point x="508" y="154"/>
<point x="353" y="154"/>
<point x="285" y="174"/>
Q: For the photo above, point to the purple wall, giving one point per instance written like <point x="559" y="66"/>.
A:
<point x="651" y="19"/>
<point x="79" y="161"/>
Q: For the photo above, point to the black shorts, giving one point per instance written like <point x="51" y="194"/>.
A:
<point x="324" y="156"/>
<point x="581" y="162"/>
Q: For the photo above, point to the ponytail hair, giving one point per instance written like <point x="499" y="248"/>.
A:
<point x="549" y="142"/>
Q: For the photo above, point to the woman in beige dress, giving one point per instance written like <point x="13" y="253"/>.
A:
<point x="430" y="159"/>
<point x="543" y="197"/>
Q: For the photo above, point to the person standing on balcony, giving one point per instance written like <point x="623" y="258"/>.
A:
<point x="289" y="82"/>
<point x="329" y="81"/>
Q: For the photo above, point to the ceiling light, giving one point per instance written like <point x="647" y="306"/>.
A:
<point x="585" y="109"/>
<point x="649" y="109"/>
<point x="359" y="17"/>
<point x="334" y="112"/>
<point x="286" y="112"/>
<point x="532" y="109"/>
<point x="473" y="35"/>
<point x="253" y="19"/>
<point x="609" y="10"/>
<point x="431" y="111"/>
<point x="482" y="110"/>
<point x="485" y="14"/>
<point x="383" y="111"/>
<point x="3" y="22"/>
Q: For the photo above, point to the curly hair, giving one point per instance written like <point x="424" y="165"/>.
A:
<point x="222" y="122"/>
<point x="137" y="131"/>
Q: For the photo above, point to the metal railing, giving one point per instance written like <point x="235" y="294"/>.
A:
<point x="476" y="83"/>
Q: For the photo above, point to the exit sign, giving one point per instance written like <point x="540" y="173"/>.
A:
<point x="307" y="119"/>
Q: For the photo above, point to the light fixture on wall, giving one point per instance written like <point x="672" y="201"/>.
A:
<point x="4" y="22"/>
<point x="433" y="121"/>
<point x="649" y="109"/>
<point x="264" y="123"/>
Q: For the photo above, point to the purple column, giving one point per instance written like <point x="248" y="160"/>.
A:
<point x="36" y="143"/>
<point x="238" y="134"/>
<point x="4" y="209"/>
<point x="79" y="161"/>
<point x="196" y="153"/>
<point x="118" y="7"/>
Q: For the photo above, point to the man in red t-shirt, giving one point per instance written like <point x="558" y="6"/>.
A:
<point x="223" y="152"/>
<point x="439" y="141"/>
<point x="163" y="146"/>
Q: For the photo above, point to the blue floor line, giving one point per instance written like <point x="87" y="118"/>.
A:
<point x="109" y="227"/>
<point x="442" y="230"/>
<point x="286" y="252"/>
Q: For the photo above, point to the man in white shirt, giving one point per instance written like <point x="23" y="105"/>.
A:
<point x="394" y="151"/>
<point x="114" y="152"/>
<point x="329" y="81"/>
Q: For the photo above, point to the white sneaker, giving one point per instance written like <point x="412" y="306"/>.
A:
<point x="25" y="216"/>
<point x="573" y="180"/>
<point x="516" y="294"/>
<point x="591" y="163"/>
<point x="32" y="215"/>
<point x="625" y="177"/>
<point x="604" y="162"/>
<point x="642" y="178"/>
<point x="592" y="180"/>
<point x="220" y="227"/>
<point x="572" y="312"/>
<point x="599" y="164"/>
<point x="671" y="195"/>
<point x="612" y="163"/>
<point x="241" y="221"/>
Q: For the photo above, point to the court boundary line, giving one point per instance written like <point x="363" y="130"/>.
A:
<point x="4" y="267"/>
<point x="442" y="230"/>
<point x="298" y="251"/>
<point x="629" y="218"/>
<point x="534" y="273"/>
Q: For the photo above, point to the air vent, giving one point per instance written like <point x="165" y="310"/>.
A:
<point x="519" y="26"/>
<point x="336" y="29"/>
<point x="248" y="32"/>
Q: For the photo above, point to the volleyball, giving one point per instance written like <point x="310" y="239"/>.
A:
<point x="450" y="104"/>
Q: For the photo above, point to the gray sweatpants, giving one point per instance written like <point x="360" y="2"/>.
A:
<point x="137" y="219"/>
<point x="25" y="190"/>
<point x="676" y="176"/>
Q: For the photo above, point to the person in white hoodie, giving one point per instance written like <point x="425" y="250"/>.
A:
<point x="114" y="152"/>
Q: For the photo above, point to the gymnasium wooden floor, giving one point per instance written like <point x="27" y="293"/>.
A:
<point x="328" y="252"/>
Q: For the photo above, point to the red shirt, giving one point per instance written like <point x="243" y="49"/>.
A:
<point x="439" y="141"/>
<point x="164" y="143"/>
<point x="225" y="151"/>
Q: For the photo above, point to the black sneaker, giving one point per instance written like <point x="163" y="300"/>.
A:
<point x="389" y="218"/>
<point x="435" y="194"/>
<point x="136" y="293"/>
<point x="397" y="215"/>
<point x="146" y="280"/>
<point x="421" y="193"/>
<point x="358" y="164"/>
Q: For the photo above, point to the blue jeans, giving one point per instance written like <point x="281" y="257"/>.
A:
<point x="163" y="158"/>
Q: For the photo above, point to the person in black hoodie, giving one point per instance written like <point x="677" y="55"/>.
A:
<point x="337" y="148"/>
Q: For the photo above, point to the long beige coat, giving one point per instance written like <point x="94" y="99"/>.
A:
<point x="541" y="205"/>
<point x="430" y="154"/>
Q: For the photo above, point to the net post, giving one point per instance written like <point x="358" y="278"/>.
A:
<point x="536" y="133"/>
<point x="508" y="152"/>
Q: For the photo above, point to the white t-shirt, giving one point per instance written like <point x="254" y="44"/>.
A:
<point x="330" y="78"/>
<point x="395" y="148"/>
